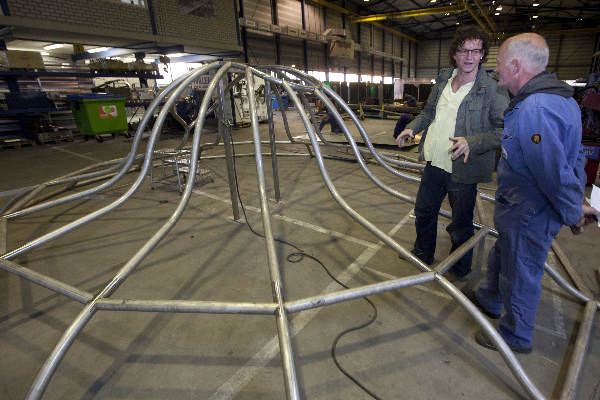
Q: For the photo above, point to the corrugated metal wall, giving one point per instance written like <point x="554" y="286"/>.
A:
<point x="377" y="65"/>
<point x="291" y="53"/>
<point x="314" y="18"/>
<point x="290" y="13"/>
<point x="570" y="56"/>
<point x="377" y="39"/>
<point x="316" y="56"/>
<point x="334" y="19"/>
<point x="258" y="10"/>
<point x="261" y="50"/>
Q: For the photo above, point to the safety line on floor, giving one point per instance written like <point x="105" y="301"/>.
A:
<point x="244" y="375"/>
<point x="294" y="221"/>
<point x="75" y="154"/>
<point x="559" y="321"/>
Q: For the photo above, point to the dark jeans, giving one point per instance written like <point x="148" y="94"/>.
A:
<point x="435" y="184"/>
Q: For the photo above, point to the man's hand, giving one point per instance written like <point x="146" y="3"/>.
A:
<point x="590" y="214"/>
<point x="459" y="148"/>
<point x="404" y="136"/>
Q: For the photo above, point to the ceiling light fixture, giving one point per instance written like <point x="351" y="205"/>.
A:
<point x="497" y="13"/>
<point x="53" y="46"/>
<point x="499" y="8"/>
<point x="535" y="16"/>
<point x="44" y="53"/>
<point x="97" y="50"/>
<point x="432" y="1"/>
<point x="535" y="4"/>
<point x="458" y="23"/>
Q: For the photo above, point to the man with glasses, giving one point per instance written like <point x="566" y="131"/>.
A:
<point x="461" y="122"/>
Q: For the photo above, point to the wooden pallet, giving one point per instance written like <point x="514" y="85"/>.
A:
<point x="14" y="143"/>
<point x="55" y="136"/>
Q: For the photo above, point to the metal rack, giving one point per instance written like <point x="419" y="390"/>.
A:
<point x="15" y="123"/>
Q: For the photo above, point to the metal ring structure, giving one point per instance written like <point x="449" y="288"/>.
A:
<point x="296" y="84"/>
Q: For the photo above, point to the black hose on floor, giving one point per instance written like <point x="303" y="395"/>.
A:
<point x="297" y="257"/>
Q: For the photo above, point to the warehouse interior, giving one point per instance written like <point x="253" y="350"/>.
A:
<point x="180" y="192"/>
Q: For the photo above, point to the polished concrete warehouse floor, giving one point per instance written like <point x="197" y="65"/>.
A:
<point x="419" y="347"/>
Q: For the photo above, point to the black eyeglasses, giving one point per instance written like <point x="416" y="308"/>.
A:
<point x="464" y="52"/>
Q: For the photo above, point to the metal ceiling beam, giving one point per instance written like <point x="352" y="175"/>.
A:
<point x="476" y="18"/>
<point x="410" y="13"/>
<point x="115" y="52"/>
<point x="486" y="16"/>
<point x="543" y="32"/>
<point x="345" y="11"/>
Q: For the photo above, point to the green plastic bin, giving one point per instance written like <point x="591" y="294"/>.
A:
<point x="99" y="113"/>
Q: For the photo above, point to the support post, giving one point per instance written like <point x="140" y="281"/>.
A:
<point x="272" y="140"/>
<point x="225" y="130"/>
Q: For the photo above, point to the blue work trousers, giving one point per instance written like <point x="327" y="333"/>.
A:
<point x="516" y="266"/>
<point x="435" y="184"/>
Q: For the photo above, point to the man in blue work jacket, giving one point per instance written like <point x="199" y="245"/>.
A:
<point x="541" y="182"/>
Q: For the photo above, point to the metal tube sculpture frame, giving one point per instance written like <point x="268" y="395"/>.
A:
<point x="276" y="78"/>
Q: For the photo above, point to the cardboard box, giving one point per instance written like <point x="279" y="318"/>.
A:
<point x="24" y="59"/>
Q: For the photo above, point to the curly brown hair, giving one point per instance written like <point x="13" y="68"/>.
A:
<point x="468" y="32"/>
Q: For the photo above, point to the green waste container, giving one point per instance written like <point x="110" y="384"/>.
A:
<point x="99" y="113"/>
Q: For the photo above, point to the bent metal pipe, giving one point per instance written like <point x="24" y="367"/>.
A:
<point x="276" y="79"/>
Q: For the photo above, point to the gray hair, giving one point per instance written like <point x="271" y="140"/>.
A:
<point x="532" y="51"/>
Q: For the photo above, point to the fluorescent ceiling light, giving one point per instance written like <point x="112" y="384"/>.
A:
<point x="535" y="16"/>
<point x="44" y="53"/>
<point x="53" y="46"/>
<point x="535" y="4"/>
<point x="175" y="55"/>
<point x="97" y="50"/>
<point x="432" y="1"/>
<point x="497" y="13"/>
<point x="499" y="8"/>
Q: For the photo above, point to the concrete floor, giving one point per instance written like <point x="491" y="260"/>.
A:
<point x="420" y="347"/>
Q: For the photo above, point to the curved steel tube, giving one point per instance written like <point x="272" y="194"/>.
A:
<point x="279" y="307"/>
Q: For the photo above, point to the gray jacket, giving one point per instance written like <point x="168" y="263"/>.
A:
<point x="480" y="120"/>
